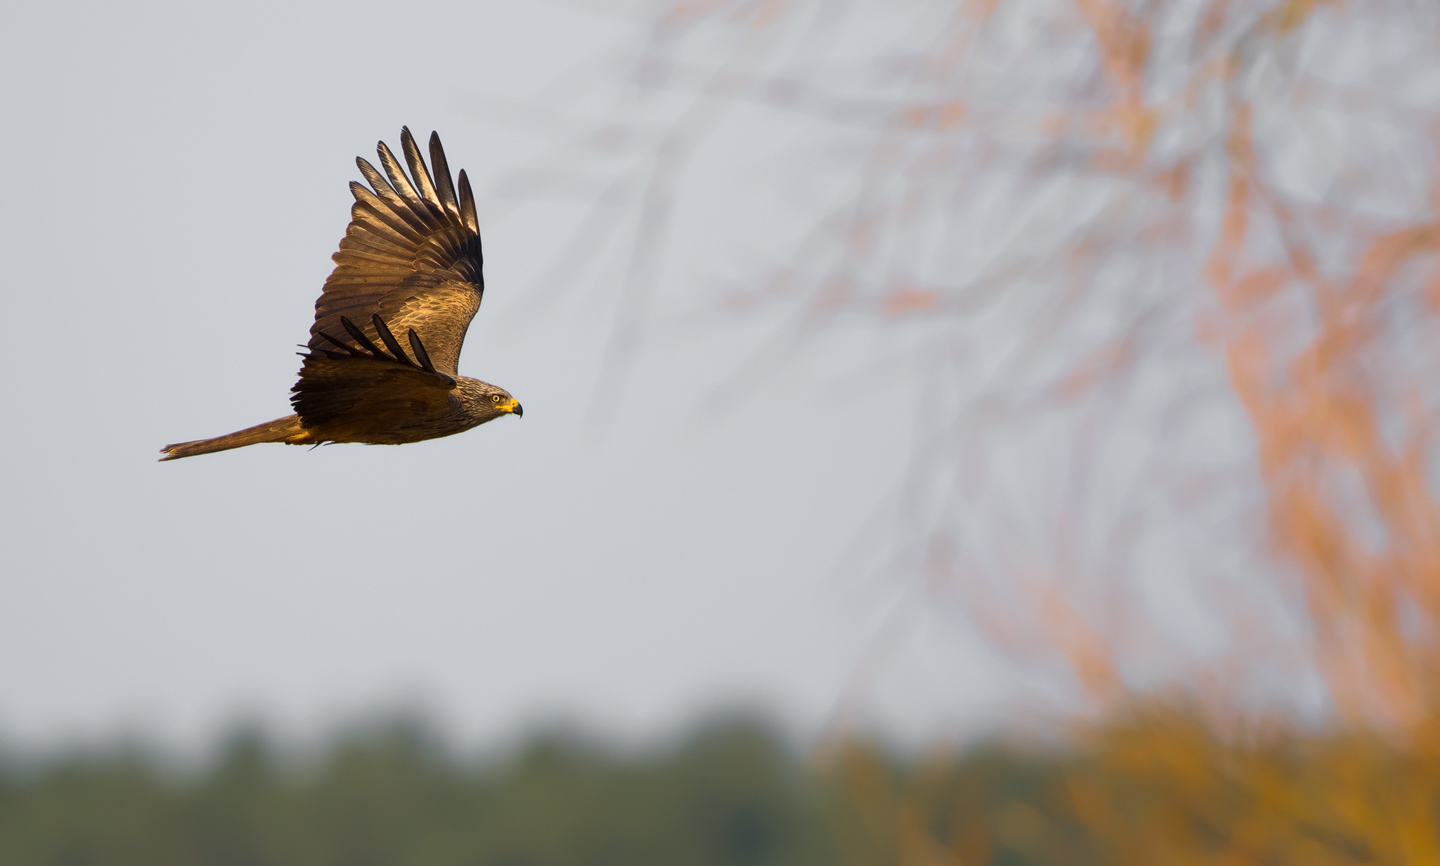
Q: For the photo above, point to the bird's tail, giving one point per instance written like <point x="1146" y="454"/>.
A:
<point x="287" y="429"/>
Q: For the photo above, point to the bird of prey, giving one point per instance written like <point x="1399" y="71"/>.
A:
<point x="380" y="363"/>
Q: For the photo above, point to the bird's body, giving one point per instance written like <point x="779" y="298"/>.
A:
<point x="410" y="264"/>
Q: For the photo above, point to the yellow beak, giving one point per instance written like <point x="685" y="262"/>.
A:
<point x="513" y="407"/>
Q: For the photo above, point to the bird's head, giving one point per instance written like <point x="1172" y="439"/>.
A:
<point x="503" y="402"/>
<point x="490" y="400"/>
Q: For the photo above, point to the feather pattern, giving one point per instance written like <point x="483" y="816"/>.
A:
<point x="327" y="390"/>
<point x="418" y="171"/>
<point x="359" y="336"/>
<point x="420" y="354"/>
<point x="390" y="343"/>
<point x="398" y="180"/>
<point x="410" y="260"/>
<point x="467" y="205"/>
<point x="360" y="399"/>
<point x="443" y="186"/>
<point x="369" y="350"/>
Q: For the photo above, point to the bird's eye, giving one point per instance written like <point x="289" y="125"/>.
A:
<point x="495" y="397"/>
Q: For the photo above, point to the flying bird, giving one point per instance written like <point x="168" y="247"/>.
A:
<point x="380" y="364"/>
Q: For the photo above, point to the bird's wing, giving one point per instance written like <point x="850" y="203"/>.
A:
<point x="370" y="389"/>
<point x="411" y="255"/>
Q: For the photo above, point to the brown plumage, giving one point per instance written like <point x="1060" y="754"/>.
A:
<point x="409" y="265"/>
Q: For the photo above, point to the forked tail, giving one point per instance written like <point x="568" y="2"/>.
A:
<point x="287" y="429"/>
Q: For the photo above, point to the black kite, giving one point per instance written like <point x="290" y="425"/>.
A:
<point x="409" y="265"/>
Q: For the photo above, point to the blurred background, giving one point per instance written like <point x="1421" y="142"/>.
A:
<point x="957" y="432"/>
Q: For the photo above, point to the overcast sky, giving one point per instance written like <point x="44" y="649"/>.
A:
<point x="176" y="185"/>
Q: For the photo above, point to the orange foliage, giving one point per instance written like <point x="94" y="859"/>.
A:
<point x="1154" y="786"/>
<point x="1320" y="413"/>
<point x="1307" y="291"/>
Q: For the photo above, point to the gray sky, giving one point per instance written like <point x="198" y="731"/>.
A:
<point x="177" y="184"/>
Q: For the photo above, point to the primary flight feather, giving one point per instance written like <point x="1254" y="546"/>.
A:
<point x="381" y="361"/>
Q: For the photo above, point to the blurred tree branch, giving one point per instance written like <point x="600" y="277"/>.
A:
<point x="1160" y="266"/>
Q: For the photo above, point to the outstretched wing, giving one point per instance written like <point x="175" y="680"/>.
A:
<point x="347" y="392"/>
<point x="411" y="255"/>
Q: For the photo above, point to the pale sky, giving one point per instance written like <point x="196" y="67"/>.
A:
<point x="177" y="183"/>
